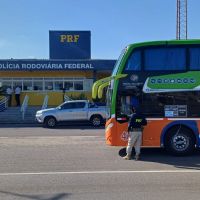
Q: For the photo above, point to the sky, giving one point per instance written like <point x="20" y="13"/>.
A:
<point x="25" y="24"/>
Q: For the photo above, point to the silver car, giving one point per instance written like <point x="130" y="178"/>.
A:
<point x="77" y="110"/>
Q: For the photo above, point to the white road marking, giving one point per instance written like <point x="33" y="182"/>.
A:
<point x="98" y="172"/>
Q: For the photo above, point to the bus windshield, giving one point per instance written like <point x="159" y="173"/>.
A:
<point x="116" y="67"/>
<point x="108" y="101"/>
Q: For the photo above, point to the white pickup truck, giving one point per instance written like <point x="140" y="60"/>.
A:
<point x="77" y="110"/>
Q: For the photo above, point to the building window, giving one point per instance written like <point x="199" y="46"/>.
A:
<point x="48" y="85"/>
<point x="78" y="85"/>
<point x="6" y="84"/>
<point x="58" y="85"/>
<point x="27" y="86"/>
<point x="17" y="83"/>
<point x="87" y="84"/>
<point x="37" y="85"/>
<point x="68" y="86"/>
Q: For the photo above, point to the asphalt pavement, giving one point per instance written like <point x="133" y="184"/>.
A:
<point x="75" y="163"/>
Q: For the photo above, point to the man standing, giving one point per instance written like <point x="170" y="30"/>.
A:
<point x="135" y="129"/>
<point x="17" y="95"/>
<point x="9" y="92"/>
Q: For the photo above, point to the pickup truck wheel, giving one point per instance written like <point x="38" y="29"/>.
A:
<point x="96" y="120"/>
<point x="50" y="122"/>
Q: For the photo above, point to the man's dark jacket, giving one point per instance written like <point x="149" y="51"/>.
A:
<point x="137" y="121"/>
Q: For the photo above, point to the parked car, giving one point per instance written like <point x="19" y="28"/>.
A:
<point x="76" y="110"/>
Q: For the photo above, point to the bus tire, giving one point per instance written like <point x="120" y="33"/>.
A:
<point x="96" y="120"/>
<point x="50" y="122"/>
<point x="180" y="143"/>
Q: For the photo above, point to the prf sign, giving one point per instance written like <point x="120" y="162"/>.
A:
<point x="69" y="44"/>
<point x="69" y="38"/>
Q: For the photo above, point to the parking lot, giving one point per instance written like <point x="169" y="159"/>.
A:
<point x="73" y="162"/>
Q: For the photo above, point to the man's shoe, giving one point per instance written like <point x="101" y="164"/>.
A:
<point x="137" y="157"/>
<point x="127" y="157"/>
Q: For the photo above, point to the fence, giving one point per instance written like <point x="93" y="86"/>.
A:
<point x="3" y="103"/>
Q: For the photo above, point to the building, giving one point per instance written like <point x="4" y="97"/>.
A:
<point x="69" y="70"/>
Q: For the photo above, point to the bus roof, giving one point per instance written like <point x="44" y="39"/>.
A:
<point x="165" y="42"/>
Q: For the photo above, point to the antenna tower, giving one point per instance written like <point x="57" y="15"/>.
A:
<point x="181" y="20"/>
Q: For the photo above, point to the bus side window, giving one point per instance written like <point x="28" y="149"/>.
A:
<point x="151" y="107"/>
<point x="194" y="54"/>
<point x="193" y="104"/>
<point x="162" y="58"/>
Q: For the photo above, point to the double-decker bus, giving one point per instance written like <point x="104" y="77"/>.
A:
<point x="162" y="79"/>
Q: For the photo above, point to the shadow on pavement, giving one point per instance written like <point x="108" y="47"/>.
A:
<point x="19" y="125"/>
<point x="38" y="197"/>
<point x="159" y="155"/>
<point x="60" y="126"/>
<point x="78" y="126"/>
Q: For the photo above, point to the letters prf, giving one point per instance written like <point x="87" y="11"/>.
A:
<point x="69" y="38"/>
<point x="138" y="120"/>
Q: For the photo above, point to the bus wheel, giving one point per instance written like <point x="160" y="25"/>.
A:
<point x="50" y="122"/>
<point x="96" y="120"/>
<point x="180" y="141"/>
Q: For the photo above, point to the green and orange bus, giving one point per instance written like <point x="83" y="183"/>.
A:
<point x="162" y="78"/>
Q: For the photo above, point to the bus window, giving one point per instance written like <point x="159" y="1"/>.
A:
<point x="125" y="105"/>
<point x="125" y="102"/>
<point x="152" y="105"/>
<point x="194" y="58"/>
<point x="156" y="59"/>
<point x="134" y="62"/>
<point x="123" y="108"/>
<point x="193" y="103"/>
